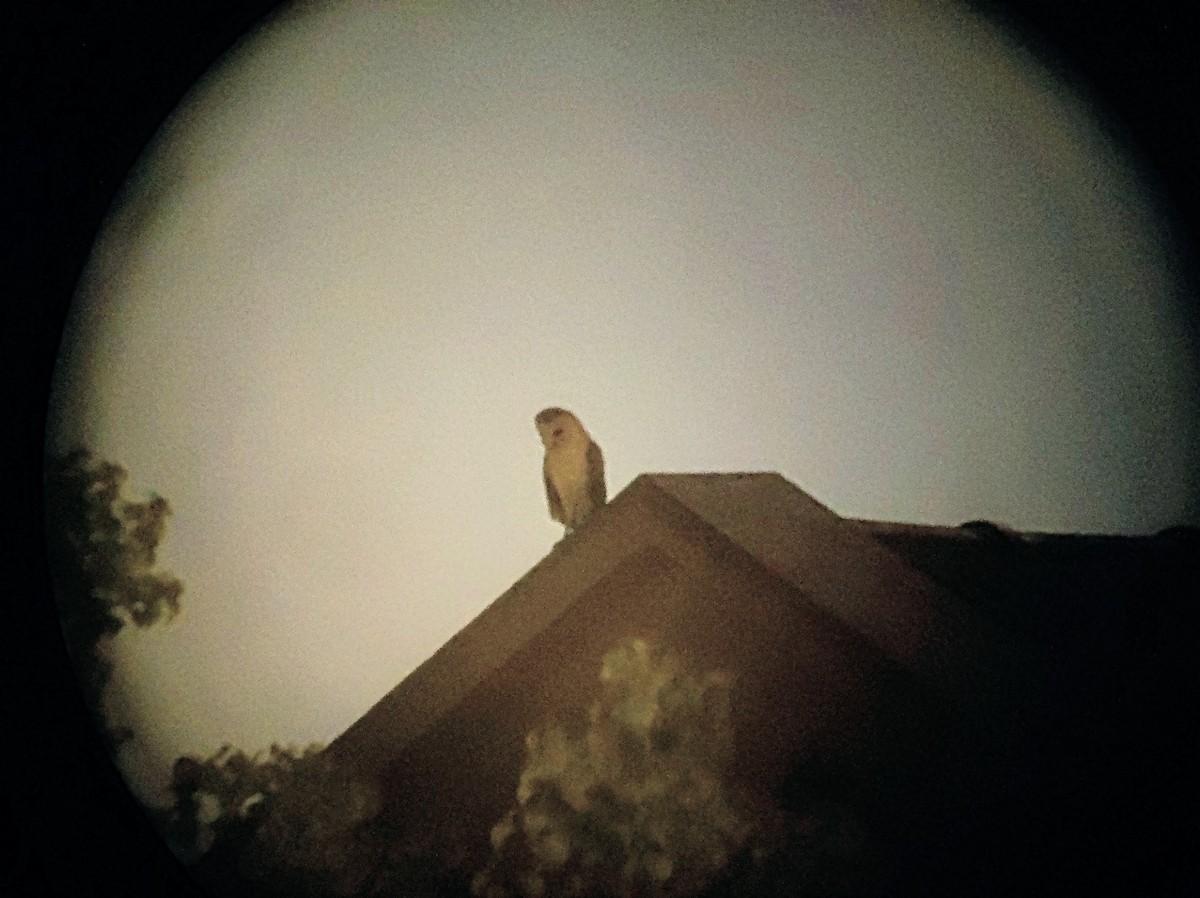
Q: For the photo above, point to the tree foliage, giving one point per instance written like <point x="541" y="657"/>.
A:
<point x="292" y="823"/>
<point x="102" y="550"/>
<point x="222" y="796"/>
<point x="641" y="804"/>
<point x="636" y="805"/>
<point x="307" y="835"/>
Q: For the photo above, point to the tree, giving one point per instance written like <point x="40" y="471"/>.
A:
<point x="102" y="550"/>
<point x="639" y="803"/>
<point x="306" y="838"/>
<point x="636" y="805"/>
<point x="291" y="823"/>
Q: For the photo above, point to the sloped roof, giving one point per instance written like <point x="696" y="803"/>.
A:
<point x="1068" y="590"/>
<point x="752" y="520"/>
<point x="968" y="688"/>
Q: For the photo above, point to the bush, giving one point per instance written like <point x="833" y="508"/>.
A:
<point x="637" y="804"/>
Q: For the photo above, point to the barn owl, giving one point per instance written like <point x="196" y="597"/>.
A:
<point x="573" y="468"/>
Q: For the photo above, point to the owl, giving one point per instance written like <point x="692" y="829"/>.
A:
<point x="573" y="468"/>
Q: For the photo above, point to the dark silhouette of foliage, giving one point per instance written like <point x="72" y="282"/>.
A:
<point x="636" y="805"/>
<point x="640" y="803"/>
<point x="291" y="823"/>
<point x="102" y="551"/>
<point x="306" y="836"/>
<point x="219" y="798"/>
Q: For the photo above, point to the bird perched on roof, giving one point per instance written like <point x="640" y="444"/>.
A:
<point x="573" y="468"/>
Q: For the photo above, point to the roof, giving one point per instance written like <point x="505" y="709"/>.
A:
<point x="968" y="687"/>
<point x="1065" y="590"/>
<point x="754" y="522"/>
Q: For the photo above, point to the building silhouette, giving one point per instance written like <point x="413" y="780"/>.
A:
<point x="998" y="710"/>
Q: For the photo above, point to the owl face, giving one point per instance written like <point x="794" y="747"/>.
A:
<point x="556" y="426"/>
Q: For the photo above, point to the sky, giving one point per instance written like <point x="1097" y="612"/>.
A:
<point x="877" y="248"/>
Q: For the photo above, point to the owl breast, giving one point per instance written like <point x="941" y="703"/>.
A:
<point x="568" y="471"/>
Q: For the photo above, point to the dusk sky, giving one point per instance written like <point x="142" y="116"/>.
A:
<point x="874" y="247"/>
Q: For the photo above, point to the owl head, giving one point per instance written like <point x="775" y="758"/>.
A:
<point x="557" y="426"/>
